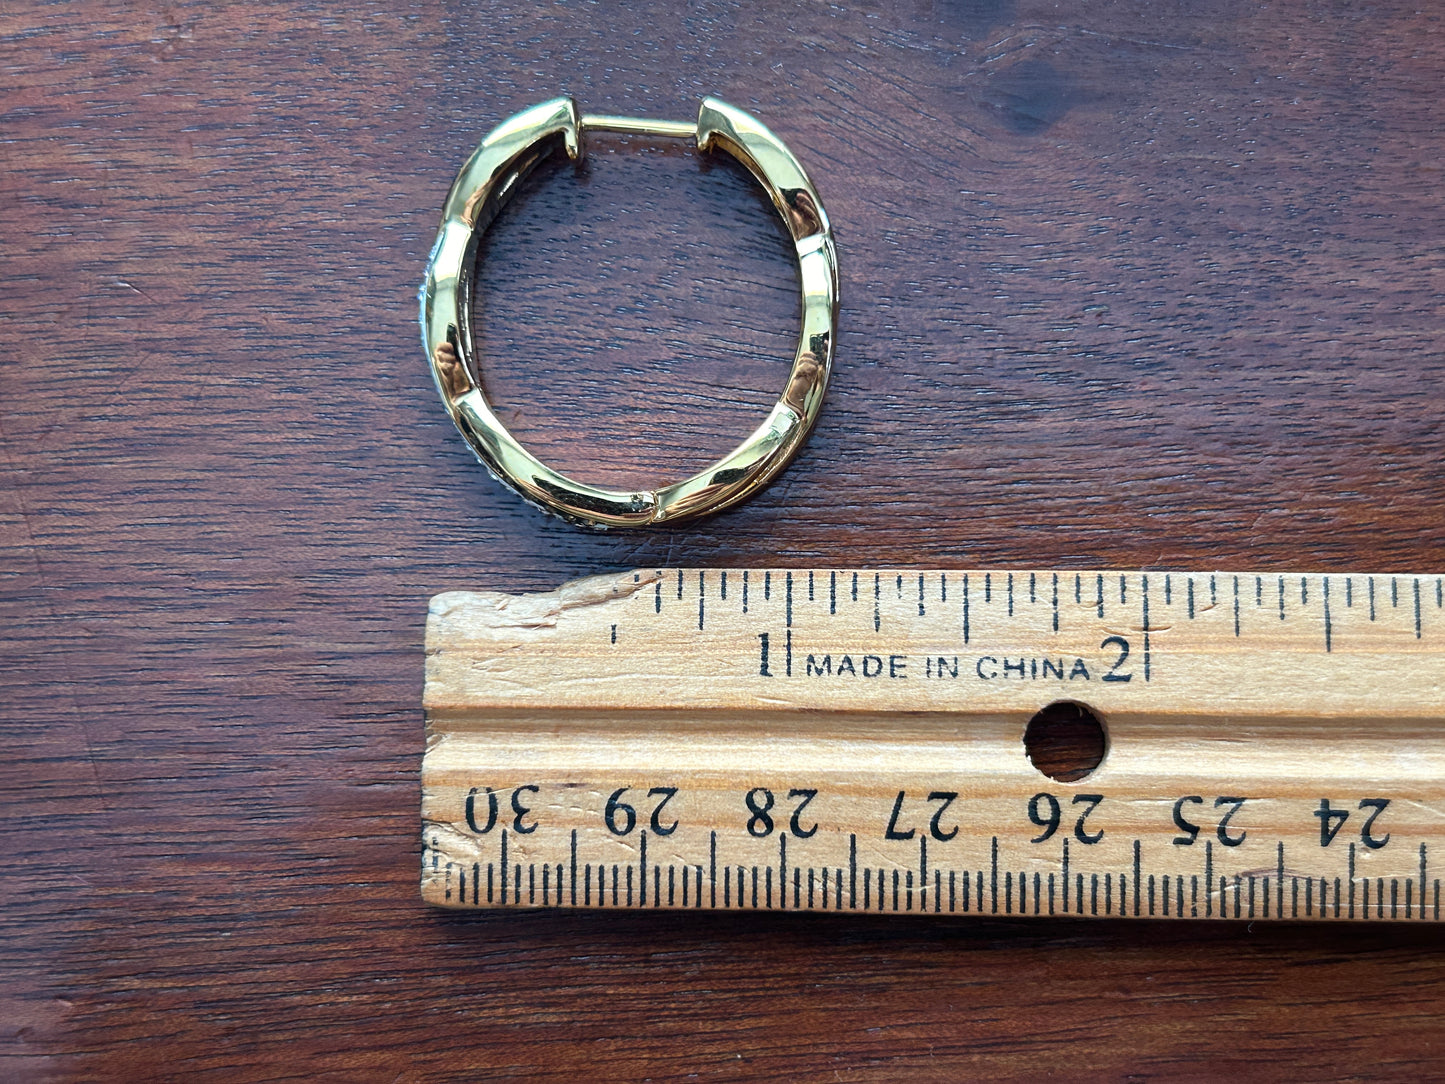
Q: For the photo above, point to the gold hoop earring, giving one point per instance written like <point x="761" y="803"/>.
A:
<point x="490" y="176"/>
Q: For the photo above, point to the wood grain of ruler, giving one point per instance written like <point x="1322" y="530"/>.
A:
<point x="1273" y="746"/>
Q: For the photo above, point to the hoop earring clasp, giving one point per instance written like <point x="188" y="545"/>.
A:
<point x="491" y="175"/>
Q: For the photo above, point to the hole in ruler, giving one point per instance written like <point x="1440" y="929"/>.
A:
<point x="1065" y="741"/>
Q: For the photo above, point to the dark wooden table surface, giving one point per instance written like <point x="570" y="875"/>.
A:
<point x="1125" y="285"/>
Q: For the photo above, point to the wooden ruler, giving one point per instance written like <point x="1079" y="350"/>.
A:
<point x="1273" y="746"/>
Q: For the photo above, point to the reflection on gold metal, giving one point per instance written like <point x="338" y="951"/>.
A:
<point x="491" y="175"/>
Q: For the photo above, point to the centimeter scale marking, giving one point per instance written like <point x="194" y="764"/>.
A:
<point x="850" y="740"/>
<point x="952" y="891"/>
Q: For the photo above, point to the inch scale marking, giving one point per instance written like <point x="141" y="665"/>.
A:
<point x="851" y="740"/>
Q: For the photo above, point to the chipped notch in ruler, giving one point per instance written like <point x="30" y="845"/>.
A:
<point x="852" y="740"/>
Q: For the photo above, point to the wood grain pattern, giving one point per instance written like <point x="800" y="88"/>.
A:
<point x="1125" y="285"/>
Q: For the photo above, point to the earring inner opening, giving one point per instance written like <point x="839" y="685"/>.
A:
<point x="632" y="315"/>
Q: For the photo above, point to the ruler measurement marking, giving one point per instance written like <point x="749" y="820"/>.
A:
<point x="641" y="868"/>
<point x="1208" y="878"/>
<point x="1279" y="880"/>
<point x="922" y="871"/>
<point x="993" y="876"/>
<point x="504" y="867"/>
<point x="1144" y="592"/>
<point x="1329" y="628"/>
<point x="1065" y="876"/>
<point x="1137" y="861"/>
<point x="852" y="875"/>
<point x="782" y="870"/>
<point x="1256" y="895"/>
<point x="1352" y="881"/>
<point x="1423" y="880"/>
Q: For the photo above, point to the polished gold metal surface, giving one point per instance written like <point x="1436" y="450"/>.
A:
<point x="490" y="176"/>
